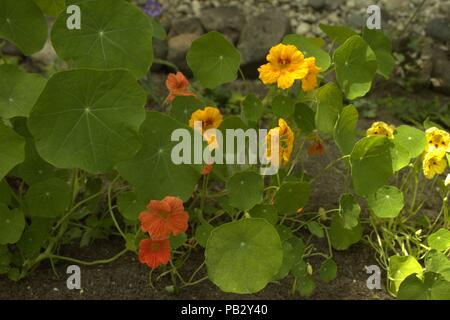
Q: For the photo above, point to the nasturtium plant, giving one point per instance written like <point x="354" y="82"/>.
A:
<point x="88" y="119"/>
<point x="213" y="59"/>
<point x="90" y="149"/>
<point x="23" y="23"/>
<point x="19" y="91"/>
<point x="107" y="39"/>
<point x="243" y="256"/>
<point x="355" y="67"/>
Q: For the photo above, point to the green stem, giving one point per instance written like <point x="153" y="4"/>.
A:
<point x="89" y="263"/>
<point x="110" y="209"/>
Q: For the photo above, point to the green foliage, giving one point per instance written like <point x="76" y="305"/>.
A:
<point x="213" y="60"/>
<point x="12" y="223"/>
<point x="291" y="196"/>
<point x="440" y="240"/>
<point x="387" y="202"/>
<point x="12" y="149"/>
<point x="310" y="49"/>
<point x="400" y="267"/>
<point x="345" y="129"/>
<point x="246" y="190"/>
<point x="243" y="256"/>
<point x="329" y="105"/>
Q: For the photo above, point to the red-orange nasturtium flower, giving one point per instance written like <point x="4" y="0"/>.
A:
<point x="178" y="85"/>
<point x="316" y="148"/>
<point x="164" y="218"/>
<point x="207" y="169"/>
<point x="154" y="252"/>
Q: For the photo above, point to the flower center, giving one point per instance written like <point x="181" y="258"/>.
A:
<point x="155" y="246"/>
<point x="164" y="214"/>
<point x="284" y="62"/>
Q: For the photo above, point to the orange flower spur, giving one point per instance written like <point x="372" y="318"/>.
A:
<point x="164" y="218"/>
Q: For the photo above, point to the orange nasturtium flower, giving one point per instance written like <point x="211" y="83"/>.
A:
<point x="154" y="252"/>
<point x="434" y="162"/>
<point x="285" y="65"/>
<point x="309" y="82"/>
<point x="316" y="148"/>
<point x="285" y="137"/>
<point x="437" y="139"/>
<point x="211" y="118"/>
<point x="178" y="85"/>
<point x="164" y="218"/>
<point x="381" y="128"/>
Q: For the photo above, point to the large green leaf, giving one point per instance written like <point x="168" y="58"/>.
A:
<point x="371" y="164"/>
<point x="304" y="117"/>
<point x="243" y="256"/>
<point x="345" y="129"/>
<point x="12" y="223"/>
<point x="88" y="119"/>
<point x="35" y="236"/>
<point x="213" y="60"/>
<point x="401" y="267"/>
<point x="282" y="106"/>
<point x="18" y="91"/>
<point x="245" y="190"/>
<point x="338" y="34"/>
<point x="12" y="149"/>
<point x="252" y="108"/>
<point x="5" y="193"/>
<point x="328" y="270"/>
<point x="432" y="287"/>
<point x="408" y="143"/>
<point x="48" y="199"/>
<point x="439" y="263"/>
<point x="51" y="7"/>
<point x="130" y="206"/>
<point x="291" y="196"/>
<point x="22" y="23"/>
<point x="265" y="211"/>
<point x="355" y="67"/>
<point x="310" y="49"/>
<point x="440" y="240"/>
<point x="382" y="47"/>
<point x="183" y="107"/>
<point x="113" y="34"/>
<point x="329" y="105"/>
<point x="341" y="237"/>
<point x="387" y="202"/>
<point x="349" y="210"/>
<point x="152" y="172"/>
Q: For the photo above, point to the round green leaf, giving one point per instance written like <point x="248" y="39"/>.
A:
<point x="5" y="193"/>
<point x="245" y="190"/>
<point x="342" y="238"/>
<point x="329" y="105"/>
<point x="338" y="34"/>
<point x="12" y="149"/>
<point x="440" y="240"/>
<point x="401" y="267"/>
<point x="12" y="223"/>
<point x="328" y="270"/>
<point x="310" y="49"/>
<point x="288" y="262"/>
<point x="130" y="206"/>
<point x="387" y="202"/>
<point x="34" y="237"/>
<point x="152" y="172"/>
<point x="22" y="23"/>
<point x="243" y="256"/>
<point x="433" y="287"/>
<point x="265" y="211"/>
<point x="304" y="117"/>
<point x="18" y="91"/>
<point x="202" y="234"/>
<point x="88" y="119"/>
<point x="51" y="7"/>
<point x="252" y="108"/>
<point x="177" y="241"/>
<point x="356" y="65"/>
<point x="371" y="164"/>
<point x="183" y="107"/>
<point x="48" y="199"/>
<point x="439" y="263"/>
<point x="113" y="34"/>
<point x="291" y="196"/>
<point x="349" y="210"/>
<point x="382" y="47"/>
<point x="315" y="228"/>
<point x="411" y="139"/>
<point x="213" y="60"/>
<point x="283" y="107"/>
<point x="305" y="285"/>
<point x="345" y="129"/>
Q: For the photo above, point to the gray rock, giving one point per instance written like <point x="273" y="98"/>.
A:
<point x="46" y="56"/>
<point x="439" y="29"/>
<point x="178" y="46"/>
<point x="317" y="4"/>
<point x="187" y="25"/>
<point x="228" y="20"/>
<point x="356" y="20"/>
<point x="258" y="36"/>
<point x="441" y="70"/>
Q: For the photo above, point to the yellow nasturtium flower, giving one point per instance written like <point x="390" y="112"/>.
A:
<point x="284" y="137"/>
<point x="285" y="65"/>
<point x="437" y="139"/>
<point x="309" y="83"/>
<point x="434" y="162"/>
<point x="211" y="118"/>
<point x="381" y="128"/>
